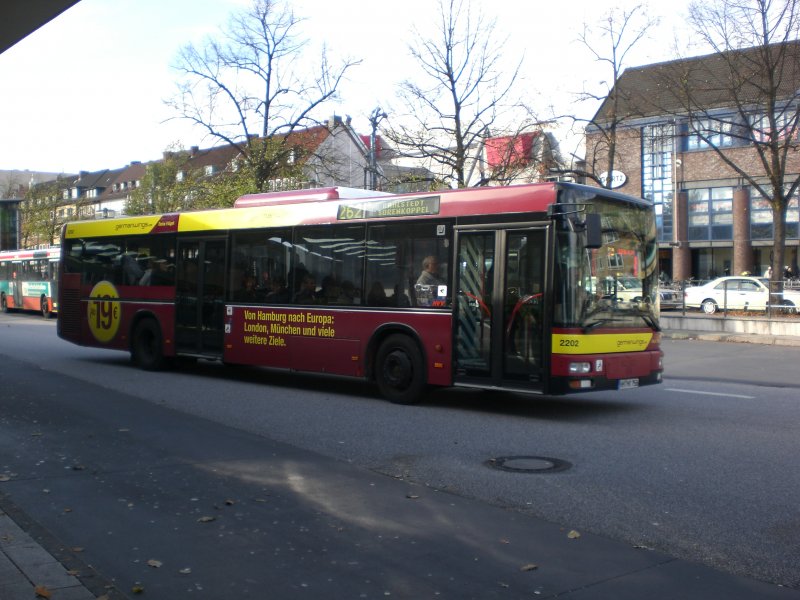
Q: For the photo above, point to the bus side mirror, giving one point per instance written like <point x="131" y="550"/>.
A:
<point x="594" y="230"/>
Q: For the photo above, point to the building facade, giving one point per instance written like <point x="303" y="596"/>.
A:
<point x="687" y="142"/>
<point x="330" y="154"/>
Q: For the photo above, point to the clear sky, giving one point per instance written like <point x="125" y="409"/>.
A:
<point x="86" y="91"/>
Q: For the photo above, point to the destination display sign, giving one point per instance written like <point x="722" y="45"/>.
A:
<point x="395" y="207"/>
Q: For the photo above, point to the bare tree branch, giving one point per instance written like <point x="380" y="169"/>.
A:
<point x="451" y="109"/>
<point x="249" y="84"/>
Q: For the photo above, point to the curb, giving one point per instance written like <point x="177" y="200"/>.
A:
<point x="739" y="338"/>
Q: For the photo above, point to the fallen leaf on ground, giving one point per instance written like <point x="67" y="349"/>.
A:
<point x="529" y="567"/>
<point x="154" y="563"/>
<point x="206" y="519"/>
<point x="412" y="496"/>
<point x="41" y="591"/>
<point x="573" y="535"/>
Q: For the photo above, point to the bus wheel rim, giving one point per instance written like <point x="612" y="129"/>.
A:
<point x="398" y="369"/>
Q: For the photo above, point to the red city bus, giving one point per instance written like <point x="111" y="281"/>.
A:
<point x="505" y="288"/>
<point x="28" y="280"/>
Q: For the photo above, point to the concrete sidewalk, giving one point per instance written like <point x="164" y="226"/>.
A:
<point x="28" y="571"/>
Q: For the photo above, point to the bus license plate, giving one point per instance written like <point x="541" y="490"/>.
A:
<point x="626" y="384"/>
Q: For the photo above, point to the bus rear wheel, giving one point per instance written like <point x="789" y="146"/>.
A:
<point x="146" y="346"/>
<point x="399" y="370"/>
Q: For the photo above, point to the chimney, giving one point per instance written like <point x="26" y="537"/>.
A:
<point x="194" y="150"/>
<point x="333" y="121"/>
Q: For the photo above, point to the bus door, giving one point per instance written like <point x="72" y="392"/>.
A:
<point x="200" y="296"/>
<point x="499" y="312"/>
<point x="16" y="283"/>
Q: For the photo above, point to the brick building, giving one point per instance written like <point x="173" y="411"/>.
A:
<point x="667" y="119"/>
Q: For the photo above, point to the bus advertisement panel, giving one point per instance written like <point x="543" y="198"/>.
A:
<point x="487" y="287"/>
<point x="28" y="280"/>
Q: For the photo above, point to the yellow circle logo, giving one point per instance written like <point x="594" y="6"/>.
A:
<point x="104" y="312"/>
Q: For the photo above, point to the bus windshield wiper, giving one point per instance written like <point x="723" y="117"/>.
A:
<point x="651" y="322"/>
<point x="599" y="321"/>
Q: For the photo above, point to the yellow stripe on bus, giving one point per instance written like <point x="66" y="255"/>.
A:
<point x="243" y="218"/>
<point x="107" y="227"/>
<point x="205" y="220"/>
<point x="601" y="343"/>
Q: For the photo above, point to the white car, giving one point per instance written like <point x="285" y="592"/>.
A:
<point x="624" y="289"/>
<point x="738" y="293"/>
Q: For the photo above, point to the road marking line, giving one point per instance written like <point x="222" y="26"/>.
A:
<point x="710" y="393"/>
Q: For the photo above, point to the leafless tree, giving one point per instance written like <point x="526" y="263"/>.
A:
<point x="450" y="109"/>
<point x="609" y="43"/>
<point x="251" y="87"/>
<point x="744" y="97"/>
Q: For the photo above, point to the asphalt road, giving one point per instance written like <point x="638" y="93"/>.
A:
<point x="701" y="468"/>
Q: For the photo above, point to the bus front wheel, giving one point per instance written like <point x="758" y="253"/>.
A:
<point x="399" y="370"/>
<point x="146" y="346"/>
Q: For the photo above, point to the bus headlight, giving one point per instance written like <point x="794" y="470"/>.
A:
<point x="580" y="368"/>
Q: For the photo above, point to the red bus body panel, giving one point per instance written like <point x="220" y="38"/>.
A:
<point x="334" y="341"/>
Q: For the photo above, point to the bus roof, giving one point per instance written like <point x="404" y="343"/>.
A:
<point x="307" y="195"/>
<point x="315" y="207"/>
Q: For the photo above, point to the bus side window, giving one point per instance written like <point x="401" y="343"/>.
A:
<point x="334" y="257"/>
<point x="397" y="256"/>
<point x="260" y="264"/>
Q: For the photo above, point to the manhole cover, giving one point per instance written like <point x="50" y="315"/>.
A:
<point x="528" y="464"/>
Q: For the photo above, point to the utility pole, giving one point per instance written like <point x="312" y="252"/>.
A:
<point x="375" y="117"/>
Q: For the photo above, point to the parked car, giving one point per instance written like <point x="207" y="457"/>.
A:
<point x="629" y="289"/>
<point x="669" y="298"/>
<point x="624" y="289"/>
<point x="738" y="293"/>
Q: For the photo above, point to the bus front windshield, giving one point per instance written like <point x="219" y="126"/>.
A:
<point x="615" y="285"/>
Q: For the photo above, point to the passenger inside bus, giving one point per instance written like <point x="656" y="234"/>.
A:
<point x="278" y="293"/>
<point x="430" y="272"/>
<point x="247" y="292"/>
<point x="377" y="295"/>
<point x="156" y="273"/>
<point x="131" y="269"/>
<point x="307" y="294"/>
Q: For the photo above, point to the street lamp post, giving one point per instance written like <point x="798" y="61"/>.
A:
<point x="375" y="117"/>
